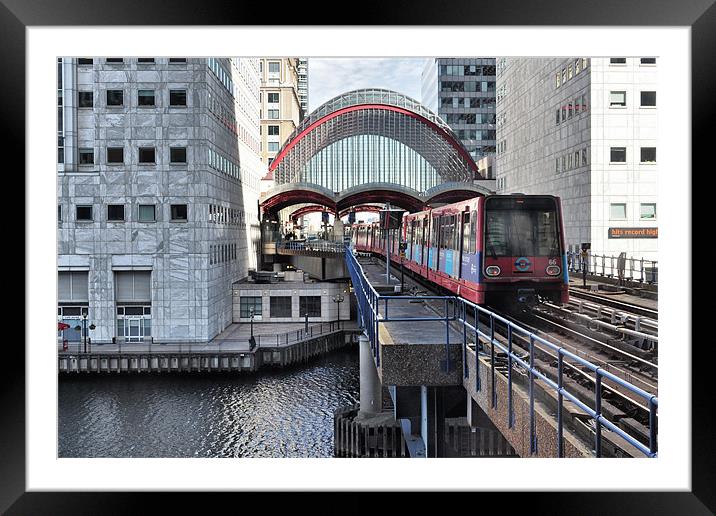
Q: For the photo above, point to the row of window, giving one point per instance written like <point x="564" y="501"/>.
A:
<point x="145" y="155"/>
<point x="619" y="155"/>
<point x="145" y="97"/>
<point x="117" y="213"/>
<point x="469" y="118"/>
<point x="469" y="86"/>
<point x="618" y="211"/>
<point x="622" y="60"/>
<point x="84" y="61"/>
<point x="227" y="118"/>
<point x="572" y="160"/>
<point x="467" y="70"/>
<point x="467" y="102"/>
<point x="501" y="146"/>
<point x="571" y="108"/>
<point x="619" y="99"/>
<point x="571" y="70"/>
<point x="224" y="215"/>
<point x="222" y="253"/>
<point x="224" y="165"/>
<point x="280" y="306"/>
<point x="221" y="74"/>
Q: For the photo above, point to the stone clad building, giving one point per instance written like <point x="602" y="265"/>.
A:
<point x="157" y="180"/>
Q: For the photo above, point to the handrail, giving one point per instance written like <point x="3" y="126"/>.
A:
<point x="632" y="269"/>
<point x="370" y="316"/>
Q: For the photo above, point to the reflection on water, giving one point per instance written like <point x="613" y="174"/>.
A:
<point x="285" y="413"/>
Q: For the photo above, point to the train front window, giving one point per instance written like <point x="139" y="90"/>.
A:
<point x="527" y="229"/>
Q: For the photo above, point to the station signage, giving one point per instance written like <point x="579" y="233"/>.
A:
<point x="633" y="232"/>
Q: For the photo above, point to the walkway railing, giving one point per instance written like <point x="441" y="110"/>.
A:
<point x="318" y="246"/>
<point x="373" y="310"/>
<point x="631" y="269"/>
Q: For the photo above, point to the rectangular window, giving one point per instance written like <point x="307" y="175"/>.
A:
<point x="145" y="60"/>
<point x="114" y="60"/>
<point x="648" y="60"/>
<point x="280" y="306"/>
<point x="558" y="117"/>
<point x="584" y="156"/>
<point x="115" y="97"/>
<point x="145" y="97"/>
<point x="115" y="155"/>
<point x="115" y="212"/>
<point x="146" y="155"/>
<point x="85" y="61"/>
<point x="617" y="155"/>
<point x="647" y="211"/>
<point x="177" y="97"/>
<point x="84" y="99"/>
<point x="147" y="213"/>
<point x="272" y="98"/>
<point x="86" y="156"/>
<point x="273" y="130"/>
<point x="648" y="155"/>
<point x="177" y="60"/>
<point x="570" y="110"/>
<point x="273" y="146"/>
<point x="584" y="102"/>
<point x="177" y="154"/>
<point x="84" y="213"/>
<point x="576" y="106"/>
<point x="274" y="67"/>
<point x="570" y="72"/>
<point x="59" y="213"/>
<point x="617" y="60"/>
<point x="273" y="114"/>
<point x="648" y="98"/>
<point x="249" y="305"/>
<point x="617" y="98"/>
<point x="310" y="305"/>
<point x="617" y="211"/>
<point x="179" y="211"/>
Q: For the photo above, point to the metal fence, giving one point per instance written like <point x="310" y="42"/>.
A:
<point x="631" y="269"/>
<point x="373" y="309"/>
<point x="317" y="246"/>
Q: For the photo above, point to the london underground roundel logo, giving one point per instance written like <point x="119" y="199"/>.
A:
<point x="522" y="264"/>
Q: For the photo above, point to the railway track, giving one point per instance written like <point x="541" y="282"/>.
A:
<point x="614" y="303"/>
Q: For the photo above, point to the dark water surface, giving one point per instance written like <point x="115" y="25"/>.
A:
<point x="286" y="413"/>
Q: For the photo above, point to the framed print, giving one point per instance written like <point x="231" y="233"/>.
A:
<point x="180" y="343"/>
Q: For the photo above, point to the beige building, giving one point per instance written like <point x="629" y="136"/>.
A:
<point x="280" y="104"/>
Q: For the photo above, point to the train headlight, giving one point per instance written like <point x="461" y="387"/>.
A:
<point x="553" y="270"/>
<point x="492" y="270"/>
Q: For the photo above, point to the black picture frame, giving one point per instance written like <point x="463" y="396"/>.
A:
<point x="17" y="15"/>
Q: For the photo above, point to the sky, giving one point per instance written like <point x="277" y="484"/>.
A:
<point x="328" y="77"/>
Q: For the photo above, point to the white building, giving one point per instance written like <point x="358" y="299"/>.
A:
<point x="158" y="181"/>
<point x="584" y="129"/>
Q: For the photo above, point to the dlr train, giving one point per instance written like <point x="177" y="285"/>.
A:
<point x="494" y="250"/>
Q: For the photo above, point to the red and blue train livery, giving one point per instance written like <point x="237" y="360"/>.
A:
<point x="495" y="249"/>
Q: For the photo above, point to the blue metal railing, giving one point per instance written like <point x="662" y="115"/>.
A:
<point x="370" y="315"/>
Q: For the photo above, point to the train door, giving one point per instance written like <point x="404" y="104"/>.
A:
<point x="464" y="241"/>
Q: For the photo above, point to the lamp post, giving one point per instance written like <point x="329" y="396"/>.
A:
<point x="84" y="329"/>
<point x="338" y="299"/>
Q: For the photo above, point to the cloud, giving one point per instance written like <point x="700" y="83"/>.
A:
<point x="330" y="77"/>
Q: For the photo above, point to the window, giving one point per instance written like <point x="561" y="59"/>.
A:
<point x="617" y="155"/>
<point x="146" y="155"/>
<point x="274" y="67"/>
<point x="147" y="213"/>
<point x="84" y="99"/>
<point x="584" y="156"/>
<point x="648" y="98"/>
<point x="570" y="110"/>
<point x="647" y="211"/>
<point x="84" y="213"/>
<point x="310" y="305"/>
<point x="570" y="72"/>
<point x="272" y="98"/>
<point x="145" y="97"/>
<point x="272" y="146"/>
<point x="86" y="156"/>
<point x="177" y="154"/>
<point x="273" y="130"/>
<point x="145" y="60"/>
<point x="617" y="98"/>
<point x="617" y="60"/>
<point x="177" y="60"/>
<point x="617" y="211"/>
<point x="115" y="212"/>
<point x="648" y="60"/>
<point x="177" y="97"/>
<point x="115" y="97"/>
<point x="280" y="306"/>
<point x="59" y="213"/>
<point x="576" y="106"/>
<point x="584" y="102"/>
<point x="557" y="78"/>
<point x="178" y="211"/>
<point x="247" y="304"/>
<point x="558" y="117"/>
<point x="273" y="114"/>
<point x="648" y="155"/>
<point x="115" y="155"/>
<point x="114" y="60"/>
<point x="85" y="61"/>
